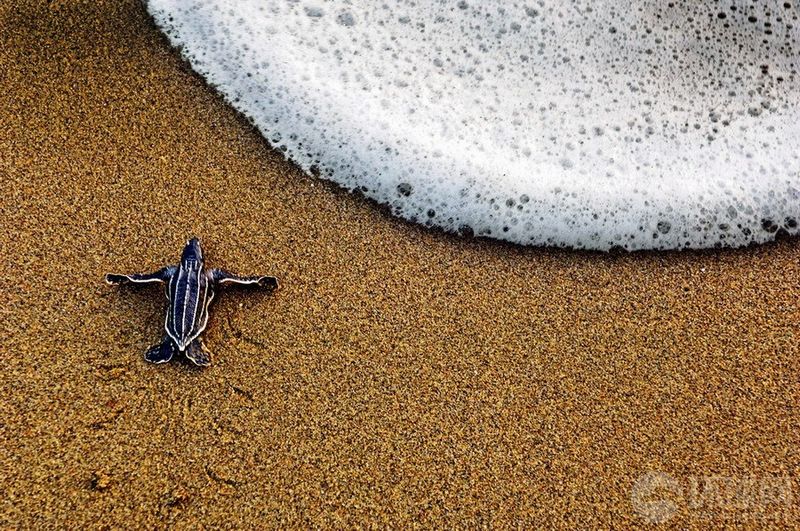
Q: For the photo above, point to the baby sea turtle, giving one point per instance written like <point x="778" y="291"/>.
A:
<point x="190" y="290"/>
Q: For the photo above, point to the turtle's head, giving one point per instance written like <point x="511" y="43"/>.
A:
<point x="192" y="252"/>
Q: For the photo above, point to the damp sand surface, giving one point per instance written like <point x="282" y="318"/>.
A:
<point x="399" y="376"/>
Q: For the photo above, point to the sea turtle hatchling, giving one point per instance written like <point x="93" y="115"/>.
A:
<point x="190" y="290"/>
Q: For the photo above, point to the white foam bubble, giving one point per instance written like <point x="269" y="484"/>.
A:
<point x="583" y="123"/>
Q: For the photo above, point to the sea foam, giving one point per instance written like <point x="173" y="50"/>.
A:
<point x="586" y="123"/>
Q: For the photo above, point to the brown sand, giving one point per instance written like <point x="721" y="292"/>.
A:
<point x="401" y="376"/>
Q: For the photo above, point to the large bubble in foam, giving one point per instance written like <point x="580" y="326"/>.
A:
<point x="581" y="123"/>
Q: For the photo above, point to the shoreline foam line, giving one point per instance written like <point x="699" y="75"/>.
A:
<point x="588" y="125"/>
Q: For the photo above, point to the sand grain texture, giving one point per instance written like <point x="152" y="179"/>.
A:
<point x="400" y="376"/>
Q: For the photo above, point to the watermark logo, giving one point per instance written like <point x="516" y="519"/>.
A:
<point x="654" y="497"/>
<point x="657" y="497"/>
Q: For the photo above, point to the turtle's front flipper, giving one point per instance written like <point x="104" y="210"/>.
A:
<point x="160" y="353"/>
<point x="162" y="275"/>
<point x="198" y="353"/>
<point x="222" y="277"/>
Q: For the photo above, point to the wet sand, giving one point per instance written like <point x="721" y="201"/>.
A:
<point x="400" y="376"/>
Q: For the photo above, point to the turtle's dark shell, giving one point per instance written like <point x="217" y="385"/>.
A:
<point x="190" y="293"/>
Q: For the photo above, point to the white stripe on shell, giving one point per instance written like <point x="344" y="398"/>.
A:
<point x="173" y="284"/>
<point x="185" y="300"/>
<point x="205" y="323"/>
<point x="197" y="298"/>
<point x="181" y="271"/>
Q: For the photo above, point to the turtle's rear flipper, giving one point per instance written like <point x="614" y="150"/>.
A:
<point x="198" y="353"/>
<point x="160" y="353"/>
